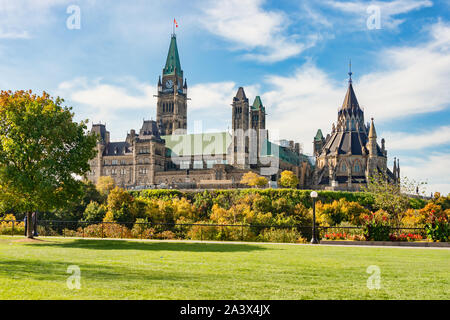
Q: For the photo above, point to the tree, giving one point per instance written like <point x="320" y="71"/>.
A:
<point x="43" y="152"/>
<point x="94" y="212"/>
<point x="253" y="180"/>
<point x="391" y="197"/>
<point x="120" y="205"/>
<point x="288" y="179"/>
<point x="105" y="184"/>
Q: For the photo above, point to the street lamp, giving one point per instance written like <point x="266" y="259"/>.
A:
<point x="314" y="239"/>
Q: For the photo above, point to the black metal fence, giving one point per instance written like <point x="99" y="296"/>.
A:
<point x="198" y="231"/>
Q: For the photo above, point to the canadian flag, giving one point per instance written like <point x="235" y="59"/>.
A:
<point x="175" y="22"/>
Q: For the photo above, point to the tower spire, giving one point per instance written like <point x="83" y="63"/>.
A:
<point x="173" y="65"/>
<point x="350" y="71"/>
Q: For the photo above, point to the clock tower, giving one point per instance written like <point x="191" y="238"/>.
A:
<point x="171" y="109"/>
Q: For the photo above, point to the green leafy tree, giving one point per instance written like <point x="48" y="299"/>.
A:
<point x="94" y="212"/>
<point x="288" y="179"/>
<point x="43" y="152"/>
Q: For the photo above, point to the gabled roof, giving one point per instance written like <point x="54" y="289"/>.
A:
<point x="173" y="59"/>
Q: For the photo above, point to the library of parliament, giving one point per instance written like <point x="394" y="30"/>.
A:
<point x="162" y="155"/>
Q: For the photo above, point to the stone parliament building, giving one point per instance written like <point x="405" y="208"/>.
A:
<point x="161" y="154"/>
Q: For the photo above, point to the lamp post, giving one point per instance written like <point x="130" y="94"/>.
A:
<point x="314" y="239"/>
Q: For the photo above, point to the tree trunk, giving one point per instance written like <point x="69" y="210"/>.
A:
<point x="29" y="225"/>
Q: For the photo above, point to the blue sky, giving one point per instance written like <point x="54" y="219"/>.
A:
<point x="294" y="54"/>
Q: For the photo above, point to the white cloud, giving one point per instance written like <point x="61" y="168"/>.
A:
<point x="420" y="140"/>
<point x="112" y="102"/>
<point x="250" y="28"/>
<point x="412" y="80"/>
<point x="20" y="18"/>
<point x="433" y="169"/>
<point x="388" y="10"/>
<point x="297" y="106"/>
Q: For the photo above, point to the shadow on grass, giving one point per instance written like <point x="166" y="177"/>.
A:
<point x="152" y="246"/>
<point x="40" y="270"/>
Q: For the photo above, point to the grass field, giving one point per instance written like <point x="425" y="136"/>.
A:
<point x="119" y="269"/>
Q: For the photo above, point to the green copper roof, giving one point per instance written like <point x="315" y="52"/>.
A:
<point x="282" y="153"/>
<point x="197" y="144"/>
<point x="217" y="143"/>
<point x="319" y="135"/>
<point x="257" y="104"/>
<point x="173" y="59"/>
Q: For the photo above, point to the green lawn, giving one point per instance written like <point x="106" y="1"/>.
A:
<point x="119" y="269"/>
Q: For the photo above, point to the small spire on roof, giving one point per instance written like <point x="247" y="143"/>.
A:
<point x="241" y="94"/>
<point x="372" y="132"/>
<point x="350" y="71"/>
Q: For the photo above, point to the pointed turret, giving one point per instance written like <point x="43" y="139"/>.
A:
<point x="372" y="131"/>
<point x="350" y="101"/>
<point x="240" y="95"/>
<point x="173" y="65"/>
<point x="257" y="104"/>
<point x="394" y="170"/>
<point x="319" y="136"/>
<point x="159" y="84"/>
<point x="318" y="142"/>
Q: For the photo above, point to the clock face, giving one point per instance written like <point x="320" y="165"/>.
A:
<point x="169" y="84"/>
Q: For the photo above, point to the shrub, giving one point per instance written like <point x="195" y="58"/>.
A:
<point x="106" y="230"/>
<point x="11" y="228"/>
<point x="343" y="236"/>
<point x="411" y="218"/>
<point x="376" y="226"/>
<point x="120" y="204"/>
<point x="281" y="235"/>
<point x="437" y="226"/>
<point x="94" y="212"/>
<point x="165" y="235"/>
<point x="406" y="237"/>
<point x="229" y="233"/>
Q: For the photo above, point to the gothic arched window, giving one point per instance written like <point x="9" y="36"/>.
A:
<point x="357" y="167"/>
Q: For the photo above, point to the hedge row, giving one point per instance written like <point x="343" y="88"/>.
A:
<point x="292" y="195"/>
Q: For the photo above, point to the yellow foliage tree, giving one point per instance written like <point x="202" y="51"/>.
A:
<point x="253" y="179"/>
<point x="105" y="184"/>
<point x="288" y="179"/>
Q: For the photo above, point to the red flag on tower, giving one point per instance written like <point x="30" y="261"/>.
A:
<point x="175" y="22"/>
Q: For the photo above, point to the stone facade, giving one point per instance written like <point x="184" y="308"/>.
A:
<point x="163" y="155"/>
<point x="347" y="157"/>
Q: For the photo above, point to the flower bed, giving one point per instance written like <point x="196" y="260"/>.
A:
<point x="406" y="237"/>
